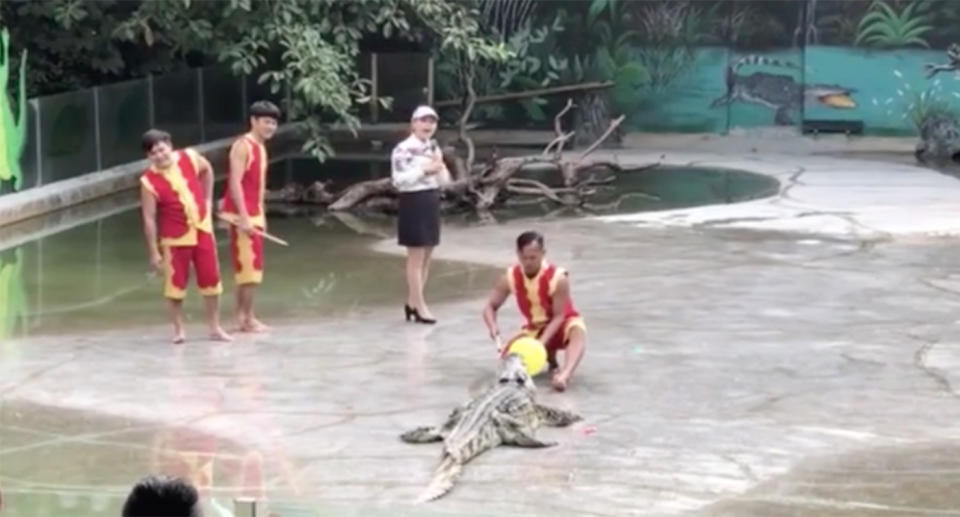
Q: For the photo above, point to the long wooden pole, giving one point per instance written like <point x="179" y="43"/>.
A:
<point x="582" y="87"/>
<point x="262" y="233"/>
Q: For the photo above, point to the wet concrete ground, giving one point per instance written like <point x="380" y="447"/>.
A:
<point x="728" y="372"/>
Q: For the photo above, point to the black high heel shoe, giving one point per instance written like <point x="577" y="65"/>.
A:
<point x="409" y="311"/>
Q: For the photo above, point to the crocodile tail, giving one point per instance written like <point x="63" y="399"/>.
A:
<point x="443" y="480"/>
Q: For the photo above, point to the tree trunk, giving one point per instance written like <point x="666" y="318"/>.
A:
<point x="593" y="118"/>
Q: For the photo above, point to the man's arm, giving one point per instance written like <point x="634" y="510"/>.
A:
<point x="560" y="297"/>
<point x="238" y="163"/>
<point x="443" y="173"/>
<point x="148" y="208"/>
<point x="499" y="295"/>
<point x="206" y="178"/>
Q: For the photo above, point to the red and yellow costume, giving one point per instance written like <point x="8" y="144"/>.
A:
<point x="184" y="226"/>
<point x="246" y="249"/>
<point x="534" y="297"/>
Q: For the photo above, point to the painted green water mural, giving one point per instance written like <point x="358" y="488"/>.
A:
<point x="712" y="66"/>
<point x="888" y="90"/>
<point x="12" y="131"/>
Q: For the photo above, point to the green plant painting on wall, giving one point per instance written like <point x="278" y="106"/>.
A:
<point x="882" y="26"/>
<point x="610" y="56"/>
<point x="532" y="66"/>
<point x="670" y="32"/>
<point x="13" y="137"/>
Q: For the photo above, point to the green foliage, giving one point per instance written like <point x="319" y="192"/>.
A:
<point x="306" y="47"/>
<point x="310" y="47"/>
<point x="71" y="44"/>
<point x="882" y="26"/>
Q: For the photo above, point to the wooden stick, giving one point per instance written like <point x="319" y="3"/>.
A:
<point x="613" y="125"/>
<point x="256" y="230"/>
<point x="529" y="93"/>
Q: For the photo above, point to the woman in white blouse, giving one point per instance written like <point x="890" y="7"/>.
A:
<point x="418" y="171"/>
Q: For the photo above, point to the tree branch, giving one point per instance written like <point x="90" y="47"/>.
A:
<point x="528" y="186"/>
<point x="606" y="134"/>
<point x="469" y="72"/>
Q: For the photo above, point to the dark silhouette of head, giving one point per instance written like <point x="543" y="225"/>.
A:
<point x="162" y="496"/>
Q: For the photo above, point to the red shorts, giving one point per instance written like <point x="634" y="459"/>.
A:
<point x="246" y="251"/>
<point x="560" y="340"/>
<point x="176" y="267"/>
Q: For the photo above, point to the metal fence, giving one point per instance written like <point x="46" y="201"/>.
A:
<point x="78" y="132"/>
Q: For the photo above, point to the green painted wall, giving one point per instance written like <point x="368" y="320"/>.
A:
<point x="672" y="62"/>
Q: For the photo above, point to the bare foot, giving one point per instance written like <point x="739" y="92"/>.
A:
<point x="559" y="382"/>
<point x="255" y="325"/>
<point x="179" y="336"/>
<point x="218" y="334"/>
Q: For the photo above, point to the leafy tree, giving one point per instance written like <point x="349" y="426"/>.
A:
<point x="307" y="46"/>
<point x="74" y="44"/>
<point x="311" y="46"/>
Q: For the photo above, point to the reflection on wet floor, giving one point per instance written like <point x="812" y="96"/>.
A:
<point x="61" y="462"/>
<point x="95" y="277"/>
<point x="916" y="479"/>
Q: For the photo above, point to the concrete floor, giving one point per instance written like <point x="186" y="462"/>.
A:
<point x="729" y="371"/>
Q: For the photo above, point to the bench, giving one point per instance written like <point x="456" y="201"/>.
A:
<point x="849" y="127"/>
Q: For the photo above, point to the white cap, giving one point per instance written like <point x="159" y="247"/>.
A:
<point x="423" y="111"/>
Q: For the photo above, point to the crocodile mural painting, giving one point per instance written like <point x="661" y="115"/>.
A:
<point x="778" y="92"/>
<point x="12" y="130"/>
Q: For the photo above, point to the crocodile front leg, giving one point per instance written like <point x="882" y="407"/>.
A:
<point x="428" y="434"/>
<point x="513" y="432"/>
<point x="556" y="417"/>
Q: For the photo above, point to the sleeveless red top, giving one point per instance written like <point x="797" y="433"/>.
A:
<point x="534" y="296"/>
<point x="181" y="203"/>
<point x="253" y="184"/>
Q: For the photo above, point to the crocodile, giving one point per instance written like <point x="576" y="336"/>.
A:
<point x="779" y="92"/>
<point x="953" y="58"/>
<point x="939" y="140"/>
<point x="504" y="414"/>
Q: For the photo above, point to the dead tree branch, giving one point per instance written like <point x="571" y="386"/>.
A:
<point x="482" y="186"/>
<point x="606" y="134"/>
<point x="561" y="138"/>
<point x="469" y="72"/>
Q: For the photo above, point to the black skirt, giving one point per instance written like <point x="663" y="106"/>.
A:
<point x="418" y="218"/>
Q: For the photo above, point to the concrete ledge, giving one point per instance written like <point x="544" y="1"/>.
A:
<point x="14" y="235"/>
<point x="63" y="194"/>
<point x="59" y="195"/>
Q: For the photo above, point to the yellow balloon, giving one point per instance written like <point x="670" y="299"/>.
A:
<point x="531" y="352"/>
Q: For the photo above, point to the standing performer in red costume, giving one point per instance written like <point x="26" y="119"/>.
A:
<point x="176" y="194"/>
<point x="542" y="293"/>
<point x="242" y="204"/>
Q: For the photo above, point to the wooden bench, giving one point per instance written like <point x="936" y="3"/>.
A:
<point x="849" y="127"/>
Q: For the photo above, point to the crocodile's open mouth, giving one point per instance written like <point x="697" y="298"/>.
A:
<point x="837" y="100"/>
